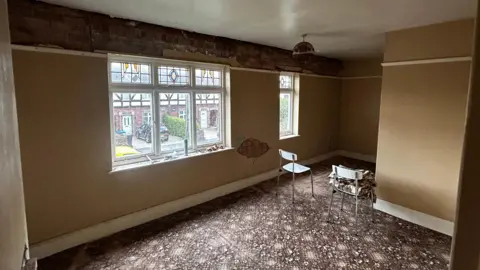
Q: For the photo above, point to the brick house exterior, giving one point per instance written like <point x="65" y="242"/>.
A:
<point x="142" y="114"/>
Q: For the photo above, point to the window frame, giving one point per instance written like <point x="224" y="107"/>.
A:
<point x="291" y="92"/>
<point x="155" y="89"/>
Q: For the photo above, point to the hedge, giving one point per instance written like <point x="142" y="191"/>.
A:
<point x="176" y="125"/>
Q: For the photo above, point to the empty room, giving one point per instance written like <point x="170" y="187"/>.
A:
<point x="239" y="134"/>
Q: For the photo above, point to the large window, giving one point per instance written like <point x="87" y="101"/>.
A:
<point x="176" y="110"/>
<point x="287" y="94"/>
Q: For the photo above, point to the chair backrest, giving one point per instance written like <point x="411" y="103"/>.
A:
<point x="287" y="155"/>
<point x="347" y="173"/>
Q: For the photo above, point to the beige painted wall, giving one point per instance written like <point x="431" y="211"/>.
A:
<point x="13" y="235"/>
<point x="359" y="116"/>
<point x="362" y="68"/>
<point x="450" y="39"/>
<point x="360" y="106"/>
<point x="66" y="142"/>
<point x="318" y="117"/>
<point x="422" y="116"/>
<point x="421" y="135"/>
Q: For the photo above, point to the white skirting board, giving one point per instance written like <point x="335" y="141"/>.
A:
<point x="419" y="218"/>
<point x="89" y="234"/>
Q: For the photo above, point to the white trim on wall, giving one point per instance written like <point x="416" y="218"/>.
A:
<point x="320" y="76"/>
<point x="419" y="218"/>
<point x="55" y="50"/>
<point x="361" y="77"/>
<point x="428" y="61"/>
<point x="92" y="233"/>
<point x="342" y="78"/>
<point x="254" y="70"/>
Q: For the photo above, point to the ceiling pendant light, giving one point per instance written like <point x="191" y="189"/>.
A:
<point x="303" y="47"/>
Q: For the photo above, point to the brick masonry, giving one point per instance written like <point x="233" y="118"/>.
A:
<point x="36" y="23"/>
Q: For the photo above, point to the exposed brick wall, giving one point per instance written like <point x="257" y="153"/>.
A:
<point x="40" y="24"/>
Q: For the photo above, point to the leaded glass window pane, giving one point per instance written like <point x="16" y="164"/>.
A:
<point x="169" y="75"/>
<point x="286" y="82"/>
<point x="208" y="77"/>
<point x="131" y="73"/>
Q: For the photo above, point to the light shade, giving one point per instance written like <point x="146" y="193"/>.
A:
<point x="303" y="47"/>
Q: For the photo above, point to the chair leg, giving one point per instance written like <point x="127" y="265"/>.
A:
<point x="373" y="210"/>
<point x="293" y="187"/>
<point x="330" y="207"/>
<point x="311" y="180"/>
<point x="278" y="181"/>
<point x="356" y="210"/>
<point x="343" y="198"/>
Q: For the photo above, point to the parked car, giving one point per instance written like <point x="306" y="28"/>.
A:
<point x="163" y="133"/>
<point x="144" y="132"/>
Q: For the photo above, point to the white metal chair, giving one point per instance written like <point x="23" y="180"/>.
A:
<point x="348" y="175"/>
<point x="293" y="168"/>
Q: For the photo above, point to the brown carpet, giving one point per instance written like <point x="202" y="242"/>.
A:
<point x="254" y="229"/>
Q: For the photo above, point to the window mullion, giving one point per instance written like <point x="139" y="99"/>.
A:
<point x="292" y="99"/>
<point x="193" y="82"/>
<point x="222" y="117"/>
<point x="193" y="123"/>
<point x="155" y="81"/>
<point x="156" y="121"/>
<point x="112" y="128"/>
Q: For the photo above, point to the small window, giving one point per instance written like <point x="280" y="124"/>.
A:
<point x="130" y="73"/>
<point x="208" y="77"/>
<point x="176" y="76"/>
<point x="147" y="117"/>
<point x="182" y="114"/>
<point x="287" y="105"/>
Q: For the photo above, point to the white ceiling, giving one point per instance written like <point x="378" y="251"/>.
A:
<point x="341" y="28"/>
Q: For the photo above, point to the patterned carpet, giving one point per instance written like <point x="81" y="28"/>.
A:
<point x="254" y="229"/>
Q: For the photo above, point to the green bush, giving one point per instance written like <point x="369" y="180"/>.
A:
<point x="176" y="125"/>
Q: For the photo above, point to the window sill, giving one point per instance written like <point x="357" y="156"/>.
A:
<point x="289" y="137"/>
<point x="136" y="165"/>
